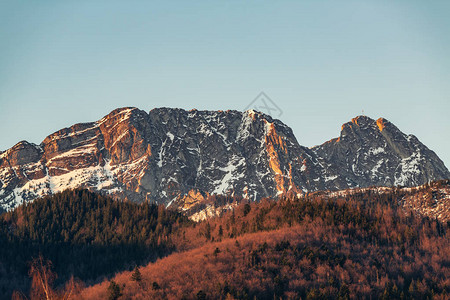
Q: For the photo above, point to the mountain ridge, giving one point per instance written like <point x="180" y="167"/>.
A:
<point x="167" y="154"/>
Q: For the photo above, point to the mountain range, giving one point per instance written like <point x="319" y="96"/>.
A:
<point x="172" y="156"/>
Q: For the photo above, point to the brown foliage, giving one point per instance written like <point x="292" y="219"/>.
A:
<point x="42" y="279"/>
<point x="301" y="248"/>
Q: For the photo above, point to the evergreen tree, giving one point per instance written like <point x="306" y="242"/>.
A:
<point x="114" y="291"/>
<point x="201" y="295"/>
<point x="136" y="276"/>
<point x="247" y="209"/>
<point x="155" y="286"/>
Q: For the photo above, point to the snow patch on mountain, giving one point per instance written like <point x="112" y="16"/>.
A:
<point x="225" y="183"/>
<point x="408" y="169"/>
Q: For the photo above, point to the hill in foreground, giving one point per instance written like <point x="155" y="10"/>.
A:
<point x="365" y="246"/>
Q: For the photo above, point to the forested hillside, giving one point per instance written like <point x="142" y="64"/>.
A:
<point x="84" y="235"/>
<point x="366" y="246"/>
<point x="355" y="245"/>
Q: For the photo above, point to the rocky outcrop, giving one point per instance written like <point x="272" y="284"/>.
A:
<point x="370" y="152"/>
<point x="173" y="156"/>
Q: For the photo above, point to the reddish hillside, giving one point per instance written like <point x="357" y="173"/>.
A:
<point x="299" y="249"/>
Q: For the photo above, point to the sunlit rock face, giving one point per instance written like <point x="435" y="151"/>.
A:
<point x="174" y="156"/>
<point x="370" y="152"/>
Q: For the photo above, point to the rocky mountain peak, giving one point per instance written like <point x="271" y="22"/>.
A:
<point x="361" y="123"/>
<point x="171" y="155"/>
<point x="21" y="153"/>
<point x="373" y="152"/>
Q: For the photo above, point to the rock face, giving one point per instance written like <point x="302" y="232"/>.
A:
<point x="173" y="154"/>
<point x="370" y="152"/>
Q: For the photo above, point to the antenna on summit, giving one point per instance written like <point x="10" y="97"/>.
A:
<point x="363" y="113"/>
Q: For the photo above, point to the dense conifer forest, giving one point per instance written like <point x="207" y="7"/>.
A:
<point x="363" y="245"/>
<point x="84" y="235"/>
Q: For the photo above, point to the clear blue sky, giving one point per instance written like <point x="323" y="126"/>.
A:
<point x="322" y="62"/>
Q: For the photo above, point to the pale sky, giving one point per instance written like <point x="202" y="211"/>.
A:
<point x="321" y="62"/>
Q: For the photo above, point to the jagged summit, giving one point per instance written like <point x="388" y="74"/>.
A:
<point x="169" y="154"/>
<point x="370" y="152"/>
<point x="363" y="122"/>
